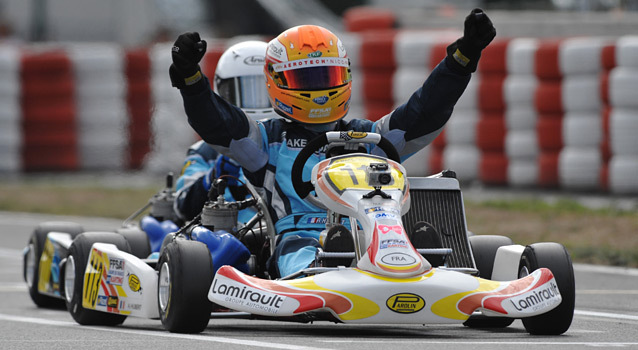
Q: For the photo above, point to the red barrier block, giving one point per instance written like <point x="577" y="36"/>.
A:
<point x="493" y="168"/>
<point x="437" y="54"/>
<point x="45" y="63"/>
<point x="608" y="57"/>
<point x="362" y="18"/>
<point x="439" y="142"/>
<point x="377" y="109"/>
<point x="549" y="133"/>
<point x="548" y="97"/>
<point x="546" y="60"/>
<point x="493" y="58"/>
<point x="490" y="93"/>
<point x="377" y="85"/>
<point x="548" y="169"/>
<point x="490" y="133"/>
<point x="377" y="49"/>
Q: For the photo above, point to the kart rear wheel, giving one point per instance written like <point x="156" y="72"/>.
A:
<point x="555" y="257"/>
<point x="185" y="275"/>
<point x="31" y="263"/>
<point x="137" y="240"/>
<point x="74" y="268"/>
<point x="484" y="249"/>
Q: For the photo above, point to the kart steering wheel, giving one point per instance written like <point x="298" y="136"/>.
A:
<point x="303" y="188"/>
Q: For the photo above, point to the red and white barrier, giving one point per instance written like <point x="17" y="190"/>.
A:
<point x="539" y="112"/>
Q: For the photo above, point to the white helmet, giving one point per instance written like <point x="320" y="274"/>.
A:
<point x="239" y="79"/>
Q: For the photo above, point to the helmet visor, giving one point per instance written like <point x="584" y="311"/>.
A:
<point x="245" y="91"/>
<point x="312" y="74"/>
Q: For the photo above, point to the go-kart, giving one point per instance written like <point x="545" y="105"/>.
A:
<point x="50" y="241"/>
<point x="479" y="281"/>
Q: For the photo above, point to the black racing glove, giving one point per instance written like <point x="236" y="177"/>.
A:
<point x="187" y="51"/>
<point x="463" y="55"/>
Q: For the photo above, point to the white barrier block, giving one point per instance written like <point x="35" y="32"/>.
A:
<point x="580" y="55"/>
<point x="413" y="48"/>
<point x="520" y="55"/>
<point x="579" y="168"/>
<point x="521" y="144"/>
<point x="622" y="174"/>
<point x="627" y="51"/>
<point x="461" y="128"/>
<point x="352" y="42"/>
<point x="519" y="90"/>
<point x="520" y="118"/>
<point x="522" y="172"/>
<point x="582" y="129"/>
<point x="463" y="159"/>
<point x="623" y="87"/>
<point x="581" y="93"/>
<point x="623" y="131"/>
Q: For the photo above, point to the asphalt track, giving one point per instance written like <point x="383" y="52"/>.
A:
<point x="606" y="317"/>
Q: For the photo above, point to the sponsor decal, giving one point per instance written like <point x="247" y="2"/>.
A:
<point x="254" y="60"/>
<point x="128" y="306"/>
<point x="114" y="280"/>
<point x="385" y="216"/>
<point x="134" y="283"/>
<point x="357" y="134"/>
<point x="240" y="294"/>
<point x="393" y="243"/>
<point x="398" y="259"/>
<point x="387" y="228"/>
<point x="284" y="107"/>
<point x="537" y="299"/>
<point x="405" y="303"/>
<point x="116" y="267"/>
<point x="296" y="143"/>
<point x="101" y="300"/>
<point x="315" y="54"/>
<point x="319" y="112"/>
<point x="92" y="280"/>
<point x="276" y="50"/>
<point x="311" y="62"/>
<point x="320" y="100"/>
<point x="386" y="209"/>
<point x="112" y="301"/>
<point x="346" y="105"/>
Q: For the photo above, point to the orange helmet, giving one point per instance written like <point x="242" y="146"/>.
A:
<point x="308" y="75"/>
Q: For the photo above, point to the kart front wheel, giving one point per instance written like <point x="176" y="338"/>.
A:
<point x="31" y="263"/>
<point x="185" y="275"/>
<point x="556" y="258"/>
<point x="484" y="249"/>
<point x="74" y="268"/>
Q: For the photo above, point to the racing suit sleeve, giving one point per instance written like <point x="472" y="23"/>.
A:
<point x="224" y="126"/>
<point x="416" y="123"/>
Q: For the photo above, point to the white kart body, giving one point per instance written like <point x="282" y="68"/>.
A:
<point x="392" y="282"/>
<point x="120" y="283"/>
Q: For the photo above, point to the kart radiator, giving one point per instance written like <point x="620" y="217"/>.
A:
<point x="438" y="200"/>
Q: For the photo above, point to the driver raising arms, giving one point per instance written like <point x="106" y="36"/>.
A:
<point x="309" y="86"/>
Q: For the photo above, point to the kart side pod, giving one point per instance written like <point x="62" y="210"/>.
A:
<point x="120" y="283"/>
<point x="357" y="296"/>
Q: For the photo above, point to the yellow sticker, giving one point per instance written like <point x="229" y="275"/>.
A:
<point x="405" y="303"/>
<point x="134" y="282"/>
<point x="357" y="134"/>
<point x="92" y="279"/>
<point x="350" y="172"/>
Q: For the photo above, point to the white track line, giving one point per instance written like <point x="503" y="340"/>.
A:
<point x="605" y="315"/>
<point x="199" y="337"/>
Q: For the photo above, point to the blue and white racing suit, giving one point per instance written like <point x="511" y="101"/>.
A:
<point x="202" y="164"/>
<point x="267" y="149"/>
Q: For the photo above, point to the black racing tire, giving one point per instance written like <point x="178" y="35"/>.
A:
<point x="484" y="249"/>
<point x="185" y="275"/>
<point x="31" y="263"/>
<point x="555" y="257"/>
<point x="79" y="253"/>
<point x="137" y="240"/>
